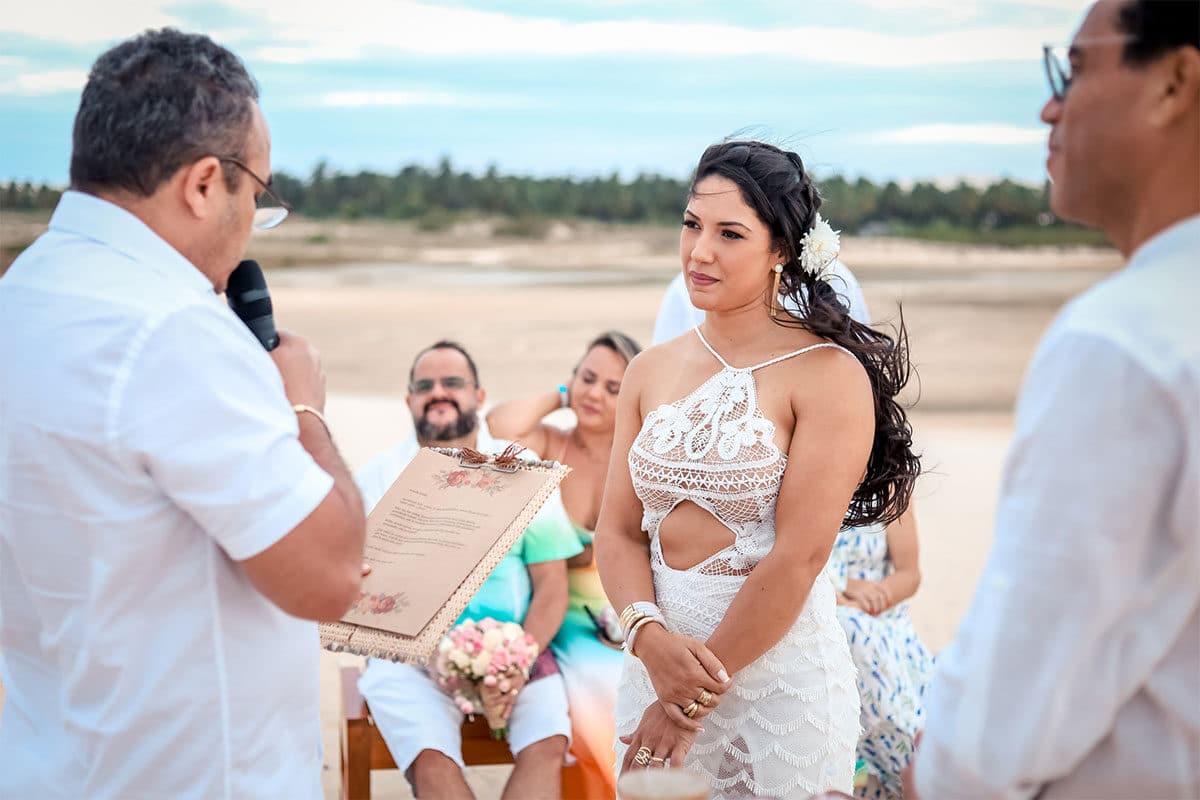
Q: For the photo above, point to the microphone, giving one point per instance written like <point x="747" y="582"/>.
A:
<point x="247" y="294"/>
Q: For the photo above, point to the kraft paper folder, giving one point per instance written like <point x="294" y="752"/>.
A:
<point x="432" y="540"/>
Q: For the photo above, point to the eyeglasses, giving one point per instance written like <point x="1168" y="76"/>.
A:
<point x="270" y="209"/>
<point x="425" y="385"/>
<point x="1057" y="60"/>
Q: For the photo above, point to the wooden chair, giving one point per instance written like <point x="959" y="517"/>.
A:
<point x="363" y="747"/>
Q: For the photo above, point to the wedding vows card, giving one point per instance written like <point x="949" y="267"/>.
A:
<point x="432" y="540"/>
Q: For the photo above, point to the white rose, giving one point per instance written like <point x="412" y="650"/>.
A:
<point x="481" y="662"/>
<point x="492" y="639"/>
<point x="512" y="630"/>
<point x="460" y="659"/>
<point x="444" y="645"/>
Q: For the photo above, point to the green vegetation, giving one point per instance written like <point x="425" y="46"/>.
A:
<point x="1005" y="213"/>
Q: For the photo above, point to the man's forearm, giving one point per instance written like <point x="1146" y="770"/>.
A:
<point x="316" y="439"/>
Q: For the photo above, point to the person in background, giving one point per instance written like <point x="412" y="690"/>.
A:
<point x="420" y="723"/>
<point x="876" y="570"/>
<point x="173" y="512"/>
<point x="589" y="659"/>
<point x="1075" y="671"/>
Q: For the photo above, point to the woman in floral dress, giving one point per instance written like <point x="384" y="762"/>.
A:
<point x="876" y="571"/>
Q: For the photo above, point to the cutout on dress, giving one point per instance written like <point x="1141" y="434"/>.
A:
<point x="690" y="535"/>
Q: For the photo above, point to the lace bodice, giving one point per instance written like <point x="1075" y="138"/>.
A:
<point x="714" y="448"/>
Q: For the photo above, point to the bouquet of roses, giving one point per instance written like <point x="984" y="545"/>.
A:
<point x="477" y="653"/>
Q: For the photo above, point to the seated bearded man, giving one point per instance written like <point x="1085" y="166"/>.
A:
<point x="419" y="721"/>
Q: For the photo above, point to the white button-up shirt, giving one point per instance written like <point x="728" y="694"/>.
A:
<point x="1076" y="672"/>
<point x="146" y="444"/>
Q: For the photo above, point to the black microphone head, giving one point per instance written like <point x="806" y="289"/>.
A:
<point x="246" y="292"/>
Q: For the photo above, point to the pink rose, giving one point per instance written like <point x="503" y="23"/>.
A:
<point x="457" y="478"/>
<point x="386" y="604"/>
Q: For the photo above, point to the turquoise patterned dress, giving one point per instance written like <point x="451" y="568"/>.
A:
<point x="893" y="665"/>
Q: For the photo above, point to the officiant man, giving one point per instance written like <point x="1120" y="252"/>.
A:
<point x="419" y="722"/>
<point x="1076" y="672"/>
<point x="173" y="512"/>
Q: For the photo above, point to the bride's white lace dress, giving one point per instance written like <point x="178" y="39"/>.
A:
<point x="788" y="725"/>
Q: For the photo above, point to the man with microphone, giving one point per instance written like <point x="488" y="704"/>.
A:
<point x="173" y="512"/>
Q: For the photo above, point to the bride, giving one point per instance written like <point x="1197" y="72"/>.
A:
<point x="741" y="448"/>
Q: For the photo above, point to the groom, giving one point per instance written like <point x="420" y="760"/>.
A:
<point x="1076" y="672"/>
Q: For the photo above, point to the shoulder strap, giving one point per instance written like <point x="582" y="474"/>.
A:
<point x="716" y="355"/>
<point x="801" y="351"/>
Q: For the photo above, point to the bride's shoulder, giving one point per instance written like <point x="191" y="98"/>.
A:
<point x="654" y="359"/>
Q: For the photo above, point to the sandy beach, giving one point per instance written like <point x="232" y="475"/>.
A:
<point x="370" y="295"/>
<point x="525" y="311"/>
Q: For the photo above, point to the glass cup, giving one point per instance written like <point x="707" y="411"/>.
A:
<point x="672" y="783"/>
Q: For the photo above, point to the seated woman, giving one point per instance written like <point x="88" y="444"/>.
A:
<point x="876" y="572"/>
<point x="590" y="664"/>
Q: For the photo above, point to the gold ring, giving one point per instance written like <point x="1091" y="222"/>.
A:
<point x="642" y="756"/>
<point x="657" y="760"/>
<point x="705" y="697"/>
<point x="692" y="709"/>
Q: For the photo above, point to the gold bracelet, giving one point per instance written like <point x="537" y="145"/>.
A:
<point x="301" y="408"/>
<point x="627" y="626"/>
<point x="635" y="611"/>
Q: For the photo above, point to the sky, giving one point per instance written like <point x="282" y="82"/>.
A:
<point x="884" y="89"/>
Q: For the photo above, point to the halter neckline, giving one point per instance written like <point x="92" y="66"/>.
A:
<point x="767" y="363"/>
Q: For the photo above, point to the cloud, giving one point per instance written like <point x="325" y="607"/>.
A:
<point x="302" y="31"/>
<point x="35" y="84"/>
<point x="307" y="30"/>
<point x="960" y="10"/>
<point x="945" y="10"/>
<point x="74" y="22"/>
<point x="972" y="133"/>
<point x="404" y="98"/>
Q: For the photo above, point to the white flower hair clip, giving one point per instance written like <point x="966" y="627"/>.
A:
<point x="819" y="248"/>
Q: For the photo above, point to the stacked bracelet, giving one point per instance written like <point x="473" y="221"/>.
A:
<point x="629" y="640"/>
<point x="636" y="616"/>
<point x="636" y="609"/>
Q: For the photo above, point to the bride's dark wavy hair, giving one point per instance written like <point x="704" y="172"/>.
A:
<point x="775" y="184"/>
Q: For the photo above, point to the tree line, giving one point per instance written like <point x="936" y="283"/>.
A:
<point x="436" y="195"/>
